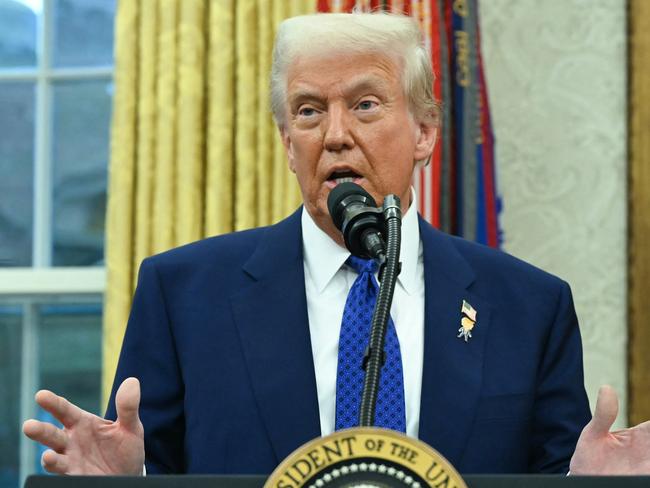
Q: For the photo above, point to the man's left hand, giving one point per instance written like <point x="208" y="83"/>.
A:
<point x="601" y="452"/>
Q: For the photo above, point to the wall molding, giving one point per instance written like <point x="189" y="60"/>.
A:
<point x="639" y="211"/>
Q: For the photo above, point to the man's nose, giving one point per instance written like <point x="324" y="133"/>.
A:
<point x="337" y="135"/>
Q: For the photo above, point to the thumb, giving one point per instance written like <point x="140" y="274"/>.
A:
<point x="605" y="412"/>
<point x="127" y="401"/>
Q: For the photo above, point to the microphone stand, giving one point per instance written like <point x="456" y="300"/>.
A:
<point x="375" y="357"/>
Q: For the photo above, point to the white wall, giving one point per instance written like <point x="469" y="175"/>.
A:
<point x="556" y="73"/>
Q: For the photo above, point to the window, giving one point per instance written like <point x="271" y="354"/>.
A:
<point x="56" y="68"/>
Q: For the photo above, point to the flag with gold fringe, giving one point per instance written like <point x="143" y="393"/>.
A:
<point x="457" y="190"/>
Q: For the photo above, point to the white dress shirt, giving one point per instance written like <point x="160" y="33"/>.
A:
<point x="327" y="283"/>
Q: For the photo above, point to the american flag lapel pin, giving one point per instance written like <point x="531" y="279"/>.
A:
<point x="467" y="321"/>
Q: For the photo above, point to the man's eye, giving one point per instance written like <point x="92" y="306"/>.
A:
<point x="306" y="111"/>
<point x="367" y="105"/>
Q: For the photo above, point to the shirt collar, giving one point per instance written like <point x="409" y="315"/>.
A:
<point x="324" y="257"/>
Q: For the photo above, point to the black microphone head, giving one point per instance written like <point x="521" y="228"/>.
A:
<point x="341" y="192"/>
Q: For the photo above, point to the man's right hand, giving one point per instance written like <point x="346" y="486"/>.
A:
<point x="88" y="444"/>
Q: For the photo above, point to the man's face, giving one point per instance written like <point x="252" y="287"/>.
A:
<point x="348" y="117"/>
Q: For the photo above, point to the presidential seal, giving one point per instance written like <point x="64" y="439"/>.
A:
<point x="365" y="457"/>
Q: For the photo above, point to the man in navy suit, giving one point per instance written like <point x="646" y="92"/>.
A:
<point x="224" y="334"/>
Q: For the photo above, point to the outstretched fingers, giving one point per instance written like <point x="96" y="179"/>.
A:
<point x="64" y="411"/>
<point x="54" y="462"/>
<point x="46" y="434"/>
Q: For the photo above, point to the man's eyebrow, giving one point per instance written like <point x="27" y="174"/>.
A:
<point x="304" y="93"/>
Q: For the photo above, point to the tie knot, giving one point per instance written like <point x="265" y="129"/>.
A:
<point x="362" y="265"/>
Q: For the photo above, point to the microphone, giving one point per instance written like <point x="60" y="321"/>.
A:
<point x="355" y="213"/>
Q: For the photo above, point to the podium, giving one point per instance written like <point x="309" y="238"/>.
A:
<point x="214" y="481"/>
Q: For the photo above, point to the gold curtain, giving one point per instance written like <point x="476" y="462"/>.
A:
<point x="639" y="211"/>
<point x="194" y="151"/>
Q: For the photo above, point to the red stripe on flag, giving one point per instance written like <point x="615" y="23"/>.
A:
<point x="323" y="6"/>
<point x="435" y="49"/>
<point x="436" y="156"/>
<point x="327" y="6"/>
<point x="422" y="198"/>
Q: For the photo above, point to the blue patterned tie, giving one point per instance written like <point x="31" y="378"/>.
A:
<point x="355" y="332"/>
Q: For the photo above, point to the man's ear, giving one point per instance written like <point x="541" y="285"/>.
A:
<point x="425" y="140"/>
<point x="288" y="148"/>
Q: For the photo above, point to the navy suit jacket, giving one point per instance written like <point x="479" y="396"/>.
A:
<point x="219" y="338"/>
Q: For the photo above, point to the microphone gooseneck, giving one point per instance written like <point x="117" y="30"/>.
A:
<point x="375" y="356"/>
<point x="364" y="227"/>
<point x="355" y="213"/>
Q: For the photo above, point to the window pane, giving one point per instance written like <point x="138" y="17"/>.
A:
<point x="83" y="32"/>
<point x="70" y="338"/>
<point x="10" y="360"/>
<point x="16" y="172"/>
<point x="18" y="32"/>
<point x="80" y="144"/>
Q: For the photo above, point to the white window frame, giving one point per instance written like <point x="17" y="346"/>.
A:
<point x="44" y="75"/>
<point x="41" y="282"/>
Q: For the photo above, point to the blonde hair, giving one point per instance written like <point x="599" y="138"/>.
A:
<point x="396" y="36"/>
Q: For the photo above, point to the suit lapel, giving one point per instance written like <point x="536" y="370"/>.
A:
<point x="271" y="317"/>
<point x="452" y="372"/>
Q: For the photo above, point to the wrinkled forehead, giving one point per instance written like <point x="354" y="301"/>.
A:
<point x="367" y="68"/>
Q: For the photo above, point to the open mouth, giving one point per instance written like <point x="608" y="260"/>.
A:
<point x="338" y="177"/>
